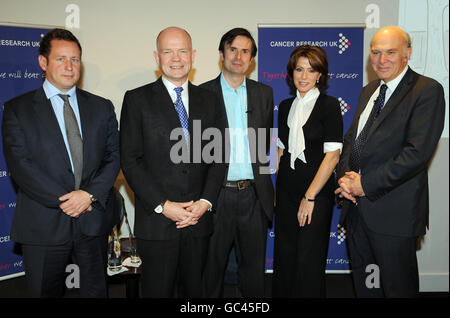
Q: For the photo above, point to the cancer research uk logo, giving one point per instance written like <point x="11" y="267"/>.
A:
<point x="344" y="43"/>
<point x="344" y="106"/>
<point x="340" y="235"/>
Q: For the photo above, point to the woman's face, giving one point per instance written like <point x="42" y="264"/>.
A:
<point x="304" y="76"/>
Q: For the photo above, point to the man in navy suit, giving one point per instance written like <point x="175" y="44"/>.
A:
<point x="383" y="168"/>
<point x="61" y="146"/>
<point x="173" y="199"/>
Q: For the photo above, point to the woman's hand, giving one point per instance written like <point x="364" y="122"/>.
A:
<point x="305" y="211"/>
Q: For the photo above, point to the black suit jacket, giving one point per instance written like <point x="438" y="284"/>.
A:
<point x="39" y="164"/>
<point x="260" y="115"/>
<point x="395" y="158"/>
<point x="147" y="120"/>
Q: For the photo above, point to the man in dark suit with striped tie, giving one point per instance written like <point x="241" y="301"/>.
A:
<point x="383" y="169"/>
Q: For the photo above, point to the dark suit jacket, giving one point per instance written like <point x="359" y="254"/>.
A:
<point x="40" y="166"/>
<point x="260" y="115"/>
<point x="395" y="158"/>
<point x="147" y="120"/>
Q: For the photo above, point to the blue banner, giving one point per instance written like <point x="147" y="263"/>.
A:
<point x="344" y="48"/>
<point x="19" y="73"/>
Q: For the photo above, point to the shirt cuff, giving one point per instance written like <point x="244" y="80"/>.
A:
<point x="210" y="205"/>
<point x="280" y="144"/>
<point x="332" y="146"/>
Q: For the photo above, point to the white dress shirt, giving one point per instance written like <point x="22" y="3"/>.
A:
<point x="173" y="95"/>
<point x="299" y="114"/>
<point x="391" y="86"/>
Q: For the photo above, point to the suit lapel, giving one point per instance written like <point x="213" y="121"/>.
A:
<point x="251" y="104"/>
<point x="252" y="99"/>
<point x="364" y="100"/>
<point x="44" y="111"/>
<point x="195" y="107"/>
<point x="218" y="89"/>
<point x="87" y="119"/>
<point x="397" y="96"/>
<point x="160" y="99"/>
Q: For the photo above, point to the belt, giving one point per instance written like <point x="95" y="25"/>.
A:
<point x="240" y="184"/>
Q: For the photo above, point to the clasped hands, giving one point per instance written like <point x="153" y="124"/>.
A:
<point x="185" y="214"/>
<point x="75" y="203"/>
<point x="350" y="186"/>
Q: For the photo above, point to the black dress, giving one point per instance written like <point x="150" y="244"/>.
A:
<point x="300" y="253"/>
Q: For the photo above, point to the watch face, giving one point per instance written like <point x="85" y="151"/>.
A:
<point x="159" y="209"/>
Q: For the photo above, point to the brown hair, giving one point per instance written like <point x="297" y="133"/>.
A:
<point x="56" y="34"/>
<point x="317" y="59"/>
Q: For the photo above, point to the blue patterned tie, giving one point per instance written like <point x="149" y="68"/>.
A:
<point x="182" y="114"/>
<point x="360" y="141"/>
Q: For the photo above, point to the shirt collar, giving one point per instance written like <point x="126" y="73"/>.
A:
<point x="392" y="85"/>
<point x="51" y="91"/>
<point x="225" y="84"/>
<point x="170" y="86"/>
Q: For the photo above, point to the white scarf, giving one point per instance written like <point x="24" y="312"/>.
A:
<point x="298" y="115"/>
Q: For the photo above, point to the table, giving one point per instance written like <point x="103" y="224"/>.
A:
<point x="130" y="277"/>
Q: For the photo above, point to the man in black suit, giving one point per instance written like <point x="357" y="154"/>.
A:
<point x="383" y="169"/>
<point x="173" y="191"/>
<point x="245" y="204"/>
<point x="61" y="146"/>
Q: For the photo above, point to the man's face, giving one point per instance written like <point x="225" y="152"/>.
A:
<point x="175" y="55"/>
<point x="237" y="56"/>
<point x="389" y="54"/>
<point x="63" y="65"/>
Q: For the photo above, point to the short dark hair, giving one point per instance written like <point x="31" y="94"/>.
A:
<point x="317" y="59"/>
<point x="56" y="34"/>
<point x="229" y="37"/>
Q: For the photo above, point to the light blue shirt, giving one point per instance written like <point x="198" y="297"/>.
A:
<point x="58" y="107"/>
<point x="240" y="166"/>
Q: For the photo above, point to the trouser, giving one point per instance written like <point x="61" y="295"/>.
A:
<point x="45" y="267"/>
<point x="382" y="265"/>
<point x="240" y="221"/>
<point x="176" y="262"/>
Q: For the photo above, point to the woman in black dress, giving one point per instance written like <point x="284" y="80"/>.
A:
<point x="309" y="144"/>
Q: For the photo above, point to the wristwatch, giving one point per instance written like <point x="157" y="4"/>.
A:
<point x="93" y="199"/>
<point x="309" y="199"/>
<point x="160" y="208"/>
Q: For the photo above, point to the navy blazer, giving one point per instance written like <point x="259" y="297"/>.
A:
<point x="147" y="120"/>
<point x="39" y="164"/>
<point x="395" y="159"/>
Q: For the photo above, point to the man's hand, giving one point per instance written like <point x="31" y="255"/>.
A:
<point x="343" y="194"/>
<point x="350" y="186"/>
<point x="196" y="210"/>
<point x="75" y="203"/>
<point x="176" y="211"/>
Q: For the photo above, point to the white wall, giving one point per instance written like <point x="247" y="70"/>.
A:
<point x="118" y="39"/>
<point x="427" y="24"/>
